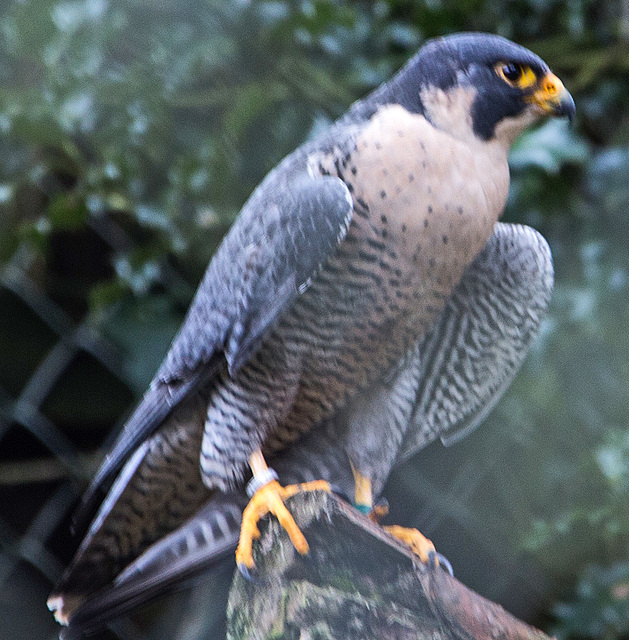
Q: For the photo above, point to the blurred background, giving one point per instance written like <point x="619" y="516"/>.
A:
<point x="131" y="133"/>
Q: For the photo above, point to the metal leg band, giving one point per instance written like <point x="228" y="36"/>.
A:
<point x="260" y="480"/>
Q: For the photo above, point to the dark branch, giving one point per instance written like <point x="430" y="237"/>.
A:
<point x="356" y="582"/>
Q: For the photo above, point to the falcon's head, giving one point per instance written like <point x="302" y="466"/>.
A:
<point x="478" y="84"/>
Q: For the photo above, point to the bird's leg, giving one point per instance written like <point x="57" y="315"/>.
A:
<point x="267" y="496"/>
<point x="363" y="497"/>
<point x="363" y="501"/>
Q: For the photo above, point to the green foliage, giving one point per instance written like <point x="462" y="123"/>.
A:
<point x="582" y="531"/>
<point x="601" y="606"/>
<point x="549" y="148"/>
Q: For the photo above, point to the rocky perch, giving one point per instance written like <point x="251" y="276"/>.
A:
<point x="356" y="582"/>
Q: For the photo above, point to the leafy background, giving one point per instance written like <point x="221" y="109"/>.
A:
<point x="132" y="132"/>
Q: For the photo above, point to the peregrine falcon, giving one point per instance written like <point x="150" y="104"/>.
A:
<point x="320" y="306"/>
<point x="446" y="386"/>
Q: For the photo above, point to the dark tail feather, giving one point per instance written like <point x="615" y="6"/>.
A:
<point x="170" y="564"/>
<point x="157" y="404"/>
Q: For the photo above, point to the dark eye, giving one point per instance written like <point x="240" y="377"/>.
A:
<point x="520" y="76"/>
<point x="512" y="71"/>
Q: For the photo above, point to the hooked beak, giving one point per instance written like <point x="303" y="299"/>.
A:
<point x="553" y="98"/>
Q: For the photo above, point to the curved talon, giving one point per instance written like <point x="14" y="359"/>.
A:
<point x="251" y="576"/>
<point x="444" y="563"/>
<point x="244" y="572"/>
<point x="436" y="559"/>
<point x="270" y="499"/>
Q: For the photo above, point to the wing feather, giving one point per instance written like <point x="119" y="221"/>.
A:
<point x="289" y="227"/>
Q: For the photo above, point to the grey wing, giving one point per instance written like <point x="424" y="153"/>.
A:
<point x="291" y="224"/>
<point x="473" y="352"/>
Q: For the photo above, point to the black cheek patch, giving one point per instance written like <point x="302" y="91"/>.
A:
<point x="488" y="110"/>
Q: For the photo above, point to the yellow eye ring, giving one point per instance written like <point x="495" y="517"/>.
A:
<point x="516" y="75"/>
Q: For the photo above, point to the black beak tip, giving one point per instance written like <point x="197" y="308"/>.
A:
<point x="568" y="108"/>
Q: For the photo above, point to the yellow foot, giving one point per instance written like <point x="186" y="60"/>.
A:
<point x="419" y="544"/>
<point x="270" y="499"/>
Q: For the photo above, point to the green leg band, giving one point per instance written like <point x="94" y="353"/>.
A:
<point x="363" y="508"/>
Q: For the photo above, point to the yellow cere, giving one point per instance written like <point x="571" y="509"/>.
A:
<point x="517" y="75"/>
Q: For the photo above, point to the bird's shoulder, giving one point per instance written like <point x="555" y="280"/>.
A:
<point x="289" y="226"/>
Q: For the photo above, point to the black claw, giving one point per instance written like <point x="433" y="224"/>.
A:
<point x="445" y="563"/>
<point x="244" y="572"/>
<point x="250" y="575"/>
<point x="438" y="559"/>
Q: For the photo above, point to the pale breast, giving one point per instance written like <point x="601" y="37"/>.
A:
<point x="443" y="195"/>
<point x="435" y="198"/>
